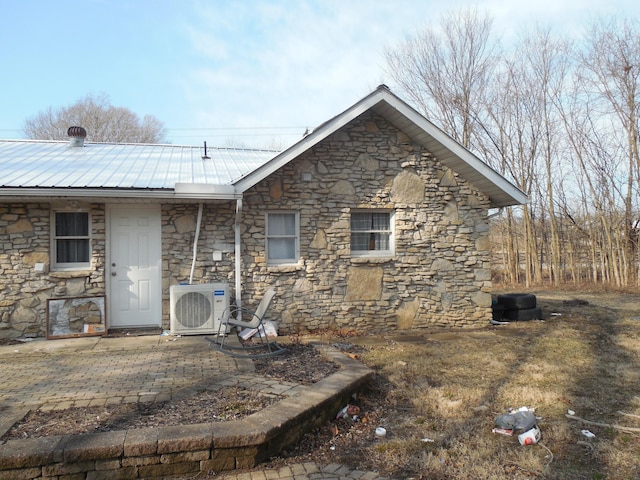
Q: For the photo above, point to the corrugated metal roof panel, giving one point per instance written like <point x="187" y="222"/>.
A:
<point x="51" y="164"/>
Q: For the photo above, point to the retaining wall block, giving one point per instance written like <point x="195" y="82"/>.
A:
<point x="60" y="469"/>
<point x="21" y="473"/>
<point x="185" y="456"/>
<point x="126" y="473"/>
<point x="184" y="438"/>
<point x="236" y="434"/>
<point x="246" y="462"/>
<point x="140" y="461"/>
<point x="28" y="452"/>
<point x="94" y="446"/>
<point x="110" y="464"/>
<point x="140" y="442"/>
<point x="164" y="470"/>
<point x="218" y="463"/>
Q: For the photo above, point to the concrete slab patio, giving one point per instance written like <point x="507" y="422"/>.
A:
<point x="88" y="371"/>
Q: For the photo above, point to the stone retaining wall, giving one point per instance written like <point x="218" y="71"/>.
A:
<point x="187" y="449"/>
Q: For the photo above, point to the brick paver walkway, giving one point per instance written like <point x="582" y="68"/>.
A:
<point x="304" y="471"/>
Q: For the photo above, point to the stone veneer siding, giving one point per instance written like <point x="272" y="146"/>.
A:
<point x="440" y="273"/>
<point x="216" y="234"/>
<point x="24" y="241"/>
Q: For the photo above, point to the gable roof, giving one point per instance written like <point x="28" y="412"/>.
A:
<point x="53" y="169"/>
<point x="450" y="153"/>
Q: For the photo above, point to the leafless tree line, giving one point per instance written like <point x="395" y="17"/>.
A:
<point x="559" y="118"/>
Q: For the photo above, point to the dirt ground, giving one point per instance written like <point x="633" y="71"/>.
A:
<point x="438" y="392"/>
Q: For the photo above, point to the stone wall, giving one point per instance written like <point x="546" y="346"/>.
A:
<point x="178" y="233"/>
<point x="24" y="241"/>
<point x="440" y="273"/>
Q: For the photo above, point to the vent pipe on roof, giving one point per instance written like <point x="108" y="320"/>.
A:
<point x="76" y="136"/>
<point x="205" y="156"/>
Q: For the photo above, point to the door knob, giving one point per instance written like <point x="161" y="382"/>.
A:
<point x="113" y="274"/>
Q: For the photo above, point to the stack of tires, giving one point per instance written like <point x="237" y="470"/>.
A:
<point x="517" y="307"/>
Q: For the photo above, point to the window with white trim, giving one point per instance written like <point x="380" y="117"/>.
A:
<point x="283" y="237"/>
<point x="372" y="233"/>
<point x="71" y="241"/>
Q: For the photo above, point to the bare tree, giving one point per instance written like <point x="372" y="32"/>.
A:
<point x="561" y="120"/>
<point x="446" y="71"/>
<point x="610" y="71"/>
<point x="548" y="63"/>
<point x="103" y="122"/>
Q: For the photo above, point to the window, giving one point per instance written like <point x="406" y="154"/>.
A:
<point x="371" y="233"/>
<point x="71" y="241"/>
<point x="283" y="232"/>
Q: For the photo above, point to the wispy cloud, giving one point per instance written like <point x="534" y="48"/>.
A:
<point x="232" y="64"/>
<point x="287" y="63"/>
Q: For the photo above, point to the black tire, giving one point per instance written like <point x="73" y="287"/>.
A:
<point x="517" y="301"/>
<point x="497" y="311"/>
<point x="524" y="314"/>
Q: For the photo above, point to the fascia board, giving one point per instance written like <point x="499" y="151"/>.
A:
<point x="205" y="190"/>
<point x="458" y="150"/>
<point x="161" y="194"/>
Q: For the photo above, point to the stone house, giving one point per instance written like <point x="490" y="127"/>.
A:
<point x="376" y="220"/>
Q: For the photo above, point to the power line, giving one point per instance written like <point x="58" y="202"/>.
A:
<point x="234" y="128"/>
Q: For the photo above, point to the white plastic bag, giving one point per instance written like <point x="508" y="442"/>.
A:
<point x="269" y="328"/>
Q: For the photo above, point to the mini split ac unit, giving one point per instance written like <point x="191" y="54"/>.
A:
<point x="196" y="309"/>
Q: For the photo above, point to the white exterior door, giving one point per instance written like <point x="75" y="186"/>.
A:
<point x="134" y="267"/>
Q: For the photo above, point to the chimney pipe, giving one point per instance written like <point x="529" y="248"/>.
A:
<point x="205" y="156"/>
<point x="76" y="136"/>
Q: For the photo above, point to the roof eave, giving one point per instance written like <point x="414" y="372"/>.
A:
<point x="118" y="193"/>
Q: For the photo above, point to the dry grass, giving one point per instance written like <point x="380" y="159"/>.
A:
<point x="451" y="386"/>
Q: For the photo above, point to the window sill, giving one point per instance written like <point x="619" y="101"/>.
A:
<point x="285" y="267"/>
<point x="375" y="260"/>
<point x="69" y="273"/>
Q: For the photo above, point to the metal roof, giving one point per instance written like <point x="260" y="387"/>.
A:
<point x="57" y="164"/>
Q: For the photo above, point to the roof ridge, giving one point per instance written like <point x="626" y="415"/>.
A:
<point x="240" y="149"/>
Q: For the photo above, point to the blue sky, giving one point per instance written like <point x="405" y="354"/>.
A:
<point x="250" y="72"/>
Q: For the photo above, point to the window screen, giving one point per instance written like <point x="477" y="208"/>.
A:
<point x="282" y="237"/>
<point x="370" y="231"/>
<point x="72" y="245"/>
